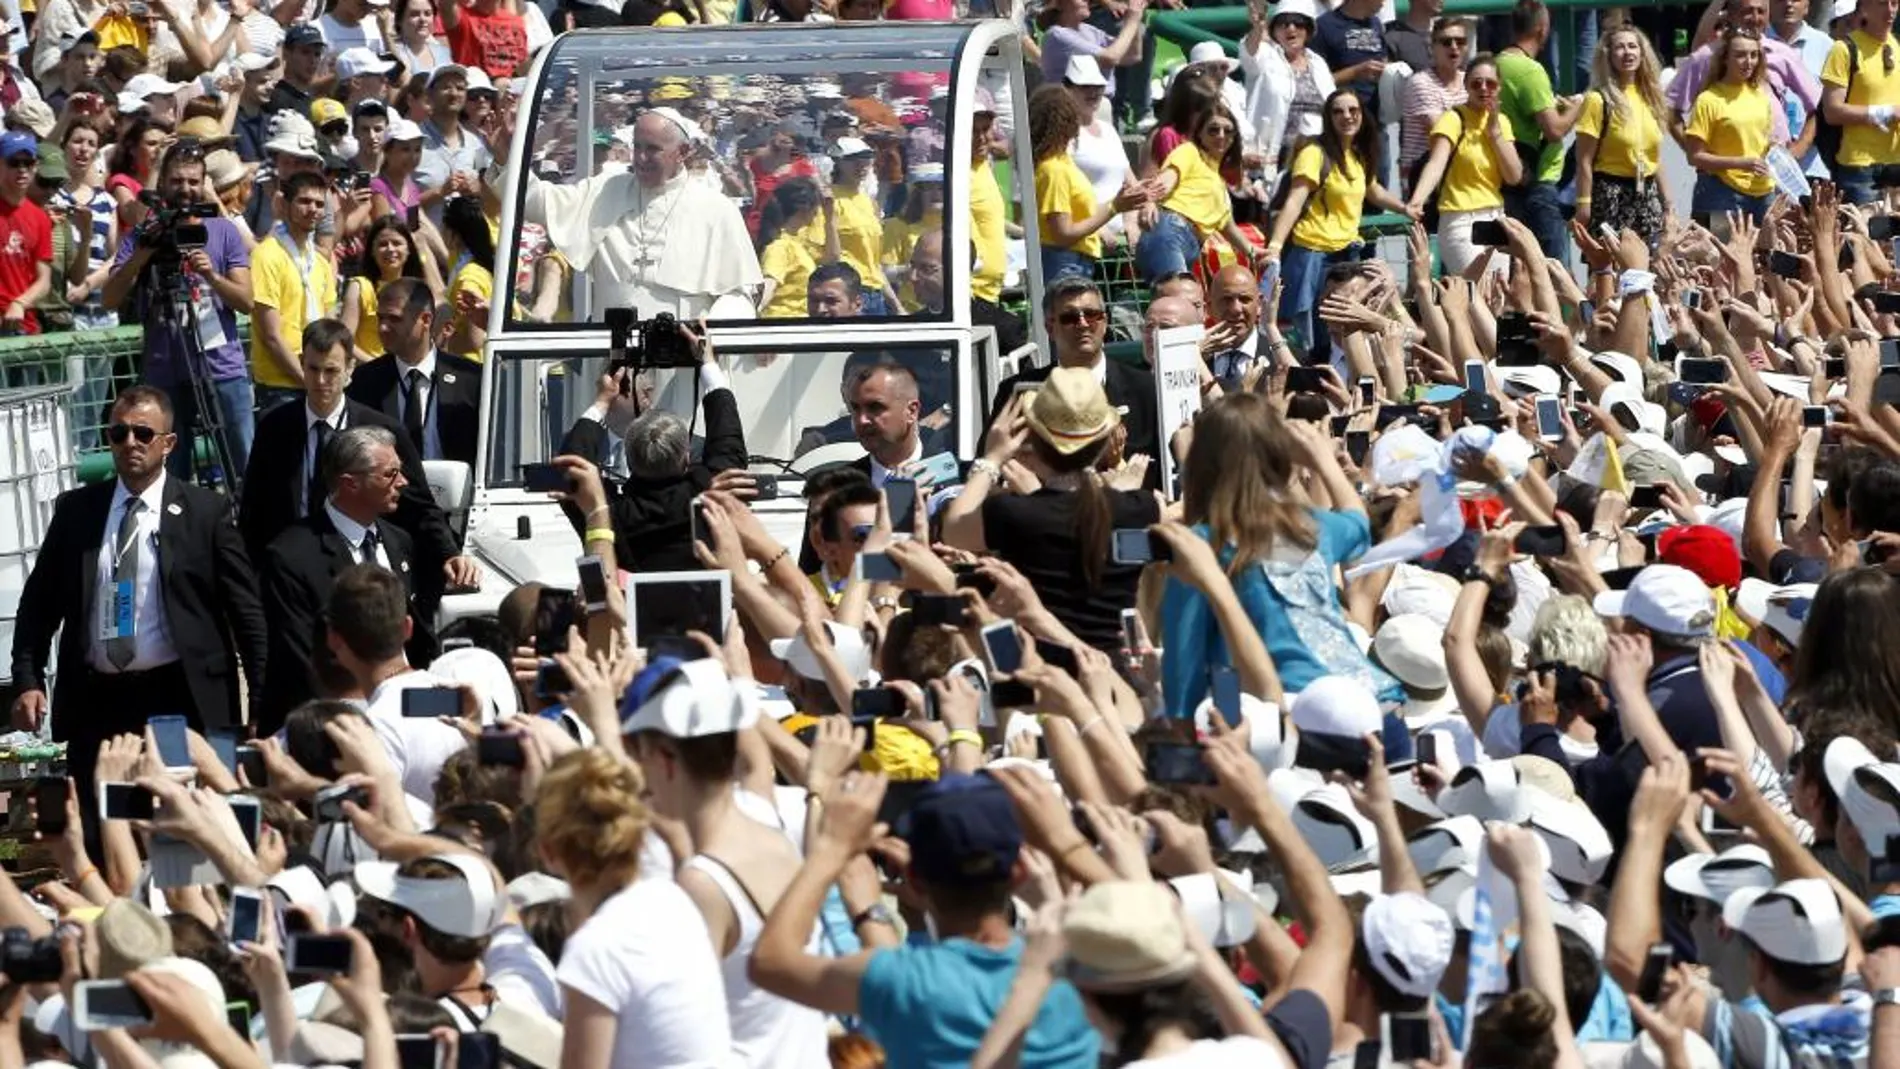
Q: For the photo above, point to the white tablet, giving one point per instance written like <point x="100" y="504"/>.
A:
<point x="673" y="603"/>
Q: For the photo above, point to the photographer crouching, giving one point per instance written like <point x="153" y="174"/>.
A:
<point x="189" y="275"/>
<point x="651" y="512"/>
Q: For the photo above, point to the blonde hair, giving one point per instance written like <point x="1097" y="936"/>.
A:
<point x="1567" y="629"/>
<point x="589" y="817"/>
<point x="1235" y="480"/>
<point x="1647" y="83"/>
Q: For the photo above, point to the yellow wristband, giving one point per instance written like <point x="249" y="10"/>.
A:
<point x="965" y="735"/>
<point x="597" y="534"/>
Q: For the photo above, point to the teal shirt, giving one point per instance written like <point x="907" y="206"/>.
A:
<point x="1523" y="91"/>
<point x="928" y="1005"/>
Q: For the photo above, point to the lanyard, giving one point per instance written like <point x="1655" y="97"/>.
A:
<point x="306" y="266"/>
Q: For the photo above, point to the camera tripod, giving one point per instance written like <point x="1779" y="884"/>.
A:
<point x="177" y="312"/>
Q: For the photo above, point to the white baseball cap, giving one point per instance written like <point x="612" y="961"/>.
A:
<point x="1488" y="790"/>
<point x="352" y="62"/>
<point x="1337" y="705"/>
<point x="1085" y="71"/>
<point x="400" y="129"/>
<point x="1869" y="790"/>
<point x="847" y="147"/>
<point x="694" y="699"/>
<point x="465" y="906"/>
<point x="1714" y="877"/>
<point x="1452" y="843"/>
<point x="1211" y="52"/>
<point x="1579" y="846"/>
<point x="846" y="642"/>
<point x="1665" y="599"/>
<point x="1781" y="609"/>
<point x="1620" y="366"/>
<point x="479" y="81"/>
<point x="1409" y="940"/>
<point x="1412" y="647"/>
<point x="1798" y="922"/>
<point x="1535" y="380"/>
<point x="145" y="85"/>
<point x="1326" y="818"/>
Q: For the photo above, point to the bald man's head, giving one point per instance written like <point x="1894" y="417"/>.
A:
<point x="1237" y="297"/>
<point x="926" y="269"/>
<point x="1164" y="312"/>
<point x="1188" y="289"/>
<point x="659" y="150"/>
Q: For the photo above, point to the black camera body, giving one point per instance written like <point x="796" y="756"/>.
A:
<point x="170" y="229"/>
<point x="659" y="342"/>
<point x="26" y="960"/>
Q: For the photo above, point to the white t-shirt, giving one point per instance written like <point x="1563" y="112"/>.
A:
<point x="1233" y="1052"/>
<point x="646" y="955"/>
<point x="520" y="972"/>
<point x="338" y="37"/>
<point x="417" y="748"/>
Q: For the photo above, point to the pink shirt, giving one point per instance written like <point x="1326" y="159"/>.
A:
<point x="920" y="10"/>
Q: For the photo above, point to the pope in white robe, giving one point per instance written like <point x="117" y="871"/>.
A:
<point x="650" y="238"/>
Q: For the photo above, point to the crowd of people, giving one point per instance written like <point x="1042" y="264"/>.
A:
<point x="1508" y="680"/>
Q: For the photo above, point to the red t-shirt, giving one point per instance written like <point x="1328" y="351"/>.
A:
<point x="26" y="241"/>
<point x="496" y="42"/>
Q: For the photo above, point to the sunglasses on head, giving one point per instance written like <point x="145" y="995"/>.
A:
<point x="119" y="432"/>
<point x="1075" y="316"/>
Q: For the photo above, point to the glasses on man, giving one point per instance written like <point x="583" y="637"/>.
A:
<point x="1451" y="42"/>
<point x="23" y="163"/>
<point x="119" y="432"/>
<point x="1077" y="316"/>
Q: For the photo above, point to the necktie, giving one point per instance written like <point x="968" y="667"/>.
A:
<point x="313" y="494"/>
<point x="370" y="541"/>
<point x="412" y="408"/>
<point x="121" y="647"/>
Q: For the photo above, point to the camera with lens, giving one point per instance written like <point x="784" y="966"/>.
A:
<point x="171" y="229"/>
<point x="659" y="342"/>
<point x="26" y="960"/>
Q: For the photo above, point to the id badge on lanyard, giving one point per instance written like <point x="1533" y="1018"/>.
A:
<point x="306" y="266"/>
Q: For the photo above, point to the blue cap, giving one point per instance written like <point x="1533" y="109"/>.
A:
<point x="15" y="143"/>
<point x="1441" y="394"/>
<point x="303" y="33"/>
<point x="962" y="832"/>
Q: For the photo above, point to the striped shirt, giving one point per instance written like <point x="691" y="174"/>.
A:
<point x="1422" y="100"/>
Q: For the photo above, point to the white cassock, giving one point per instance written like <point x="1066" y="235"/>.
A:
<point x="676" y="249"/>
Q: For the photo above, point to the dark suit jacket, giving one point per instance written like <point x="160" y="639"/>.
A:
<point x="210" y="596"/>
<point x="1126" y="385"/>
<point x="457" y="398"/>
<point x="298" y="569"/>
<point x="275" y="479"/>
<point x="653" y="518"/>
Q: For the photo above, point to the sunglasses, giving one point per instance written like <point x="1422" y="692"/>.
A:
<point x="1078" y="316"/>
<point x="1218" y="131"/>
<point x="1451" y="42"/>
<point x="24" y="163"/>
<point x="119" y="432"/>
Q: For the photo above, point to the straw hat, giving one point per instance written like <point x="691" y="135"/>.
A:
<point x="1125" y="935"/>
<point x="1070" y="411"/>
<point x="225" y="169"/>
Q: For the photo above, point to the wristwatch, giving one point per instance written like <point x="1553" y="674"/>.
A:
<point x="1887" y="996"/>
<point x="1475" y="574"/>
<point x="876" y="913"/>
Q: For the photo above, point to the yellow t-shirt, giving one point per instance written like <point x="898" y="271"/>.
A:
<point x="473" y="278"/>
<point x="1472" y="180"/>
<point x="1201" y="195"/>
<point x="369" y="340"/>
<point x="276" y="282"/>
<point x="1634" y="147"/>
<point x="788" y="262"/>
<point x="1330" y="220"/>
<point x="987" y="234"/>
<point x="900" y="240"/>
<point x="1062" y="187"/>
<point x="1735" y="120"/>
<point x="860" y="238"/>
<point x="1874" y="83"/>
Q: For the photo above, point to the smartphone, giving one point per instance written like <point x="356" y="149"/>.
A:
<point x="968" y="578"/>
<point x="478" y="1050"/>
<point x="126" y="801"/>
<point x="553" y="615"/>
<point x="551" y="681"/>
<point x="250" y="816"/>
<point x="1303" y="379"/>
<point x="414" y="217"/>
<point x="593" y="583"/>
<point x="1135" y="546"/>
<point x="1701" y="779"/>
<point x="1358" y="444"/>
<point x="1011" y="694"/>
<point x="1785" y="264"/>
<point x="1058" y="656"/>
<point x="1390" y="414"/>
<point x="1646" y="497"/>
<point x="238" y="1016"/>
<point x="174" y="746"/>
<point x="543" y="478"/>
<point x="224" y="744"/>
<point x="250" y="760"/>
<point x="49" y="805"/>
<point x="1223" y="683"/>
<point x="327" y="806"/>
<point x="765" y="488"/>
<point x="1489" y="232"/>
<point x="1004" y="646"/>
<point x="1474" y="377"/>
<point x="102" y="1004"/>
<point x="702" y="531"/>
<point x="1409" y="1037"/>
<point x="1550" y="419"/>
<point x="1692" y="299"/>
<point x="1649" y="984"/>
<point x="1886" y="302"/>
<point x="1702" y="371"/>
<point x="1427" y="748"/>
<point x="932" y="610"/>
<point x="420" y="1052"/>
<point x="319" y="955"/>
<point x="874" y="703"/>
<point x="1177" y="763"/>
<point x="1368" y="389"/>
<point x="869" y="725"/>
<point x="1814" y="416"/>
<point x="901" y="496"/>
<point x="878" y="568"/>
<point x="1131" y="630"/>
<point x="500" y="749"/>
<point x="431" y="702"/>
<point x="245" y="922"/>
<point x="1834" y="367"/>
<point x="1543" y="541"/>
<point x="1882" y="228"/>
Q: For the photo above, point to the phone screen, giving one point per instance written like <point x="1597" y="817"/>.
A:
<point x="543" y="478"/>
<point x="1701" y="371"/>
<point x="174" y="748"/>
<point x="500" y="749"/>
<point x="1131" y="630"/>
<point x="1410" y="1037"/>
<point x="1544" y="541"/>
<point x="49" y="805"/>
<point x="247" y="915"/>
<point x="1004" y="646"/>
<point x="1058" y="656"/>
<point x="1358" y="444"/>
<point x="329" y="955"/>
<point x="126" y="801"/>
<point x="1474" y="376"/>
<point x="1224" y="684"/>
<point x="1130" y="545"/>
<point x="902" y="496"/>
<point x="879" y="568"/>
<point x="1649" y="984"/>
<point x="1814" y="416"/>
<point x="416" y="1052"/>
<point x="431" y="702"/>
<point x="553" y="615"/>
<point x="1646" y="497"/>
<point x="250" y="816"/>
<point x="871" y="703"/>
<point x="109" y="1003"/>
<point x="1550" y="419"/>
<point x="1177" y="763"/>
<point x="593" y="582"/>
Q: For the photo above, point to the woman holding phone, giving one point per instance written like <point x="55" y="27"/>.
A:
<point x="1473" y="158"/>
<point x="1729" y="133"/>
<point x="1619" y="139"/>
<point x="1327" y="190"/>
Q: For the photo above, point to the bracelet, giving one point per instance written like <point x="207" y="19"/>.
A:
<point x="883" y="601"/>
<point x="1583" y="200"/>
<point x="964" y="735"/>
<point x="85" y="874"/>
<point x="1088" y="727"/>
<point x="986" y="466"/>
<point x="783" y="552"/>
<point x="600" y="510"/>
<point x="597" y="534"/>
<point x="1079" y="844"/>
